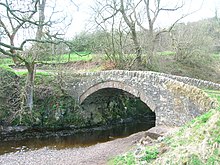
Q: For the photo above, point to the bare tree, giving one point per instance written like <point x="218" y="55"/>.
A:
<point x="117" y="14"/>
<point x="142" y="15"/>
<point x="152" y="10"/>
<point x="131" y="22"/>
<point x="192" y="42"/>
<point x="27" y="18"/>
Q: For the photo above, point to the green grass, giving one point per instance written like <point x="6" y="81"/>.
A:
<point x="195" y="143"/>
<point x="24" y="73"/>
<point x="81" y="56"/>
<point x="6" y="61"/>
<point x="216" y="56"/>
<point x="150" y="154"/>
<point x="6" y="67"/>
<point x="128" y="159"/>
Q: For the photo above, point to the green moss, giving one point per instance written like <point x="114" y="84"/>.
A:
<point x="213" y="159"/>
<point x="51" y="112"/>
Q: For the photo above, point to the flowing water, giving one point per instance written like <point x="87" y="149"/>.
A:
<point x="62" y="139"/>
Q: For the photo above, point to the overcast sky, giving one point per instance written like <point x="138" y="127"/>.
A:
<point x="82" y="14"/>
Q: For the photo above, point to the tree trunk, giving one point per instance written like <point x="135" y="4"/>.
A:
<point x="137" y="46"/>
<point x="31" y="65"/>
<point x="30" y="85"/>
<point x="131" y="25"/>
<point x="150" y="56"/>
<point x="151" y="51"/>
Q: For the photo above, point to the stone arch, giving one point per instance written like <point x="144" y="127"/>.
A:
<point x="118" y="85"/>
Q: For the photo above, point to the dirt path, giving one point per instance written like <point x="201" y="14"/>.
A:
<point x="97" y="154"/>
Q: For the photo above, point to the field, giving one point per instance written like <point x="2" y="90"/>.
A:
<point x="7" y="63"/>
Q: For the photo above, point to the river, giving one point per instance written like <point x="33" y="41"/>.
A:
<point x="65" y="139"/>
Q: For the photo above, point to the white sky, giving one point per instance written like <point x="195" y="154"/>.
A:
<point x="81" y="17"/>
<point x="82" y="14"/>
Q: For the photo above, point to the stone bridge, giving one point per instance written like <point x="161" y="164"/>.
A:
<point x="174" y="99"/>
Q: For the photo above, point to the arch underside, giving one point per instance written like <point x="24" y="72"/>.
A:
<point x="118" y="85"/>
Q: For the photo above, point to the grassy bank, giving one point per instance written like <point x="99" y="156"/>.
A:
<point x="196" y="143"/>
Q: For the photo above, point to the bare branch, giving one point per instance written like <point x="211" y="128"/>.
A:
<point x="4" y="27"/>
<point x="172" y="9"/>
<point x="28" y="19"/>
<point x="174" y="23"/>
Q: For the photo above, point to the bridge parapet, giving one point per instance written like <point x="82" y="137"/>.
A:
<point x="192" y="81"/>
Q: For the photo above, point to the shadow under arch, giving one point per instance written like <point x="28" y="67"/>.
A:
<point x="122" y="86"/>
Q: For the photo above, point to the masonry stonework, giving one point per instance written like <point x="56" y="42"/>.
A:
<point x="175" y="100"/>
